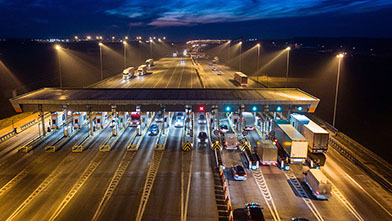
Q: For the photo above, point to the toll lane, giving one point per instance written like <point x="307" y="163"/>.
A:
<point x="125" y="200"/>
<point x="51" y="191"/>
<point x="167" y="184"/>
<point x="202" y="203"/>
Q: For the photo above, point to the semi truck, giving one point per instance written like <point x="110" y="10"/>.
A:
<point x="318" y="183"/>
<point x="142" y="70"/>
<point x="268" y="152"/>
<point x="290" y="140"/>
<point x="316" y="136"/>
<point x="128" y="72"/>
<point x="150" y="62"/>
<point x="249" y="121"/>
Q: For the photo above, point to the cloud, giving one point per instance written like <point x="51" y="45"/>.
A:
<point x="192" y="12"/>
<point x="135" y="24"/>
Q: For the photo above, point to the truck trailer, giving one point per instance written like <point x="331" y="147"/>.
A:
<point x="268" y="152"/>
<point x="318" y="183"/>
<point x="290" y="140"/>
<point x="316" y="136"/>
<point x="128" y="72"/>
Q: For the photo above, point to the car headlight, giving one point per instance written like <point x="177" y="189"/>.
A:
<point x="206" y="140"/>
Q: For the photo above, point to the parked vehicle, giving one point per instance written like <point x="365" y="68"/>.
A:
<point x="249" y="121"/>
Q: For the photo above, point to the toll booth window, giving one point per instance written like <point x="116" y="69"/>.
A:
<point x="76" y="121"/>
<point x="98" y="121"/>
<point x="53" y="122"/>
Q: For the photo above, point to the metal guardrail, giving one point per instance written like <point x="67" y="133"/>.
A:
<point x="21" y="129"/>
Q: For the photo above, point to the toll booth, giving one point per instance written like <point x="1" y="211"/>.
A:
<point x="101" y="118"/>
<point x="58" y="119"/>
<point x="235" y="118"/>
<point x="143" y="118"/>
<point x="122" y="119"/>
<point x="79" y="118"/>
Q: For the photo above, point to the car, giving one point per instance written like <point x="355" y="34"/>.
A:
<point x="214" y="68"/>
<point x="113" y="123"/>
<point x="254" y="212"/>
<point x="202" y="119"/>
<point x="219" y="72"/>
<point x="239" y="172"/>
<point x="202" y="138"/>
<point x="153" y="130"/>
<point x="159" y="117"/>
<point x="180" y="114"/>
<point x="224" y="128"/>
<point x="179" y="122"/>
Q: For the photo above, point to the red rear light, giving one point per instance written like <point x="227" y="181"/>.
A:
<point x="317" y="193"/>
<point x="245" y="175"/>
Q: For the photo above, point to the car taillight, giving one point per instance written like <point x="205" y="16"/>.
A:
<point x="263" y="163"/>
<point x="317" y="193"/>
<point x="236" y="175"/>
<point x="331" y="192"/>
<point x="245" y="175"/>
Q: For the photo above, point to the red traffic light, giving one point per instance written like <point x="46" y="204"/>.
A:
<point x="201" y="108"/>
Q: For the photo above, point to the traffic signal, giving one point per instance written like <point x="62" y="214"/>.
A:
<point x="254" y="108"/>
<point x="299" y="108"/>
<point x="278" y="109"/>
<point x="201" y="108"/>
<point x="227" y="108"/>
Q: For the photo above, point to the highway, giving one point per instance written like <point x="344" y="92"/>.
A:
<point x="168" y="184"/>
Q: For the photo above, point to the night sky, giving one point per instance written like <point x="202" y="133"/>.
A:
<point x="190" y="19"/>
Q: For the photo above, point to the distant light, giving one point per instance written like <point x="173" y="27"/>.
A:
<point x="155" y="37"/>
<point x="299" y="108"/>
<point x="100" y="37"/>
<point x="240" y="43"/>
<point x="341" y="55"/>
<point x="228" y="108"/>
<point x="185" y="52"/>
<point x="159" y="39"/>
<point x="258" y="44"/>
<point x="278" y="108"/>
<point x="288" y="48"/>
<point x="126" y="37"/>
<point x="254" y="108"/>
<point x="201" y="108"/>
<point x="88" y="37"/>
<point x="164" y="38"/>
<point x="57" y="47"/>
<point x="100" y="44"/>
<point x="96" y="37"/>
<point x="140" y="41"/>
<point x="76" y="37"/>
<point x="113" y="37"/>
<point x="125" y="43"/>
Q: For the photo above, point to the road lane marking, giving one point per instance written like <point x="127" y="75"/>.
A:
<point x="48" y="180"/>
<point x="151" y="174"/>
<point x="127" y="158"/>
<point x="171" y="76"/>
<point x="99" y="157"/>
<point x="262" y="185"/>
<point x="355" y="182"/>
<point x="181" y="75"/>
<point x="188" y="188"/>
<point x="305" y="197"/>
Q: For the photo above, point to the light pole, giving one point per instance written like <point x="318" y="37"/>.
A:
<point x="100" y="58"/>
<point x="240" y="55"/>
<point x="150" y="48"/>
<point x="339" y="56"/>
<point x="287" y="65"/>
<point x="257" y="63"/>
<point x="140" y="54"/>
<point x="125" y="53"/>
<point x="58" y="48"/>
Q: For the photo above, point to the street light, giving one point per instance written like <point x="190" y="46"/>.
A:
<point x="240" y="55"/>
<point x="58" y="47"/>
<point x="125" y="53"/>
<point x="287" y="65"/>
<point x="339" y="57"/>
<point x="257" y="64"/>
<point x="100" y="58"/>
<point x="151" y="48"/>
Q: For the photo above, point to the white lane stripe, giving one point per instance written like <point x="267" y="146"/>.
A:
<point x="355" y="182"/>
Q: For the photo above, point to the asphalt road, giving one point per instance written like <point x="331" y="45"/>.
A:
<point x="74" y="186"/>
